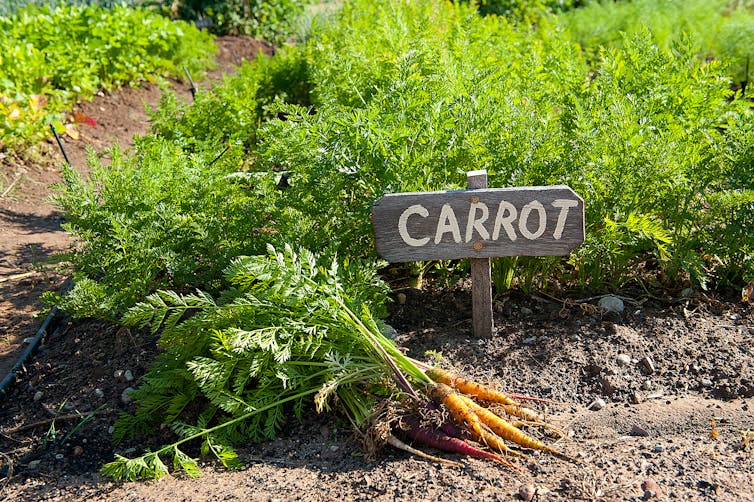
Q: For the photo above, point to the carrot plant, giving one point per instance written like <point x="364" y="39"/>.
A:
<point x="294" y="330"/>
<point x="719" y="28"/>
<point x="383" y="97"/>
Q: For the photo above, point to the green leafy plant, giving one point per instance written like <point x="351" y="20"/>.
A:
<point x="269" y="20"/>
<point x="54" y="56"/>
<point x="346" y="128"/>
<point x="718" y="28"/>
<point x="161" y="217"/>
<point x="283" y="336"/>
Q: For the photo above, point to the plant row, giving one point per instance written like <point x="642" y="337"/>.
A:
<point x="721" y="29"/>
<point x="53" y="57"/>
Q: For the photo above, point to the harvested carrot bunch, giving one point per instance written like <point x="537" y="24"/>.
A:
<point x="297" y="330"/>
<point x="463" y="400"/>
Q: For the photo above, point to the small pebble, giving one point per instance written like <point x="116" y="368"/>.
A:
<point x="687" y="292"/>
<point x="334" y="447"/>
<point x="128" y="376"/>
<point x="111" y="429"/>
<point x="119" y="375"/>
<point x="125" y="396"/>
<point x="648" y="364"/>
<point x="29" y="339"/>
<point x="530" y="341"/>
<point x="658" y="449"/>
<point x="526" y="492"/>
<point x="99" y="393"/>
<point x="651" y="489"/>
<point x="611" y="303"/>
<point x="623" y="359"/>
<point x="59" y="456"/>
<point x="647" y="385"/>
<point x="38" y="396"/>
<point x="597" y="404"/>
<point x="389" y="331"/>
<point x="706" y="382"/>
<point x="78" y="450"/>
<point x="401" y="297"/>
<point x="526" y="311"/>
<point x="34" y="464"/>
<point x="638" y="431"/>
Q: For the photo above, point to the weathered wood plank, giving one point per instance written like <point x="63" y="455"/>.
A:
<point x="481" y="276"/>
<point x="479" y="223"/>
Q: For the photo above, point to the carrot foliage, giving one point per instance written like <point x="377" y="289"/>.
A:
<point x="290" y="330"/>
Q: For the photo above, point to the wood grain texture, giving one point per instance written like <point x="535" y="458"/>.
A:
<point x="483" y="324"/>
<point x="479" y="223"/>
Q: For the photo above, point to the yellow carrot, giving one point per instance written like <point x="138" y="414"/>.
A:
<point x="469" y="387"/>
<point x="484" y="393"/>
<point x="464" y="416"/>
<point x="505" y="430"/>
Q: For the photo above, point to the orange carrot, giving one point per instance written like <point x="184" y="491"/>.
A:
<point x="484" y="393"/>
<point x="523" y="412"/>
<point x="469" y="387"/>
<point x="464" y="416"/>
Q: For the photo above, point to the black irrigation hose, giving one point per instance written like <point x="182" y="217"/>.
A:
<point x="11" y="377"/>
<point x="60" y="144"/>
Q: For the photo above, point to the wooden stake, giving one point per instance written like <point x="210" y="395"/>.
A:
<point x="481" y="275"/>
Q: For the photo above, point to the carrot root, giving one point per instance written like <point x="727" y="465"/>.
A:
<point x="465" y="386"/>
<point x="505" y="430"/>
<point x="397" y="443"/>
<point x="411" y="427"/>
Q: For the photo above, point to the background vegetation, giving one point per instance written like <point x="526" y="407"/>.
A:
<point x="52" y="57"/>
<point x="383" y="97"/>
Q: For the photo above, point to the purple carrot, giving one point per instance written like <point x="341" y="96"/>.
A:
<point x="447" y="426"/>
<point x="413" y="430"/>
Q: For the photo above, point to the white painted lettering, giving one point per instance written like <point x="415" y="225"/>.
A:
<point x="564" y="205"/>
<point x="447" y="223"/>
<point x="475" y="223"/>
<point x="523" y="220"/>
<point x="403" y="225"/>
<point x="505" y="221"/>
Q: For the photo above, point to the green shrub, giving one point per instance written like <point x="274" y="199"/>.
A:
<point x="270" y="20"/>
<point x="385" y="98"/>
<point x="718" y="28"/>
<point x="53" y="57"/>
<point x="233" y="111"/>
<point x="159" y="218"/>
<point x="523" y="9"/>
<point x="8" y="7"/>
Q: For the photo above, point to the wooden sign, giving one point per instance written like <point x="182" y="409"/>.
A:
<point x="478" y="223"/>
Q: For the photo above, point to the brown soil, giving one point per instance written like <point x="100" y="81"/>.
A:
<point x="676" y="375"/>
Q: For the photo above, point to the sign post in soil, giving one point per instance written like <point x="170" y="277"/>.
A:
<point x="478" y="223"/>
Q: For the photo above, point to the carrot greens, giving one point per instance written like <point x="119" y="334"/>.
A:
<point x="293" y="329"/>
